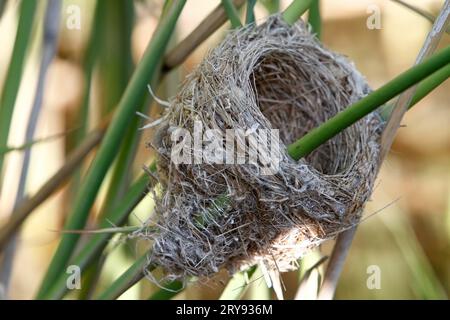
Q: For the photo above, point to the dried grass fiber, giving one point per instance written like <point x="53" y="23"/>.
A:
<point x="214" y="216"/>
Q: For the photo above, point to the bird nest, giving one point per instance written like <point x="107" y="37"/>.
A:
<point x="232" y="210"/>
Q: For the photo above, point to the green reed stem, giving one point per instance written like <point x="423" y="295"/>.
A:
<point x="237" y="286"/>
<point x="315" y="19"/>
<point x="15" y="71"/>
<point x="295" y="10"/>
<point x="363" y="107"/>
<point x="232" y="13"/>
<point x="250" y="13"/>
<point x="170" y="291"/>
<point x="108" y="148"/>
<point x="128" y="279"/>
<point x="93" y="248"/>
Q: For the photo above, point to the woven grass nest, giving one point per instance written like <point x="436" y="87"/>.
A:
<point x="214" y="216"/>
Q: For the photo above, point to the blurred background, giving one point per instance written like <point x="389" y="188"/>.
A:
<point x="407" y="231"/>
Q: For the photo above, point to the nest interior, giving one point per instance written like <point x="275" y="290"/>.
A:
<point x="212" y="216"/>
